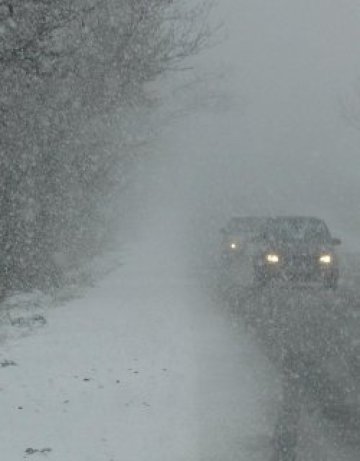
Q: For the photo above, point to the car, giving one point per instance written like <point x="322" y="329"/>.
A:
<point x="296" y="249"/>
<point x="238" y="243"/>
<point x="238" y="235"/>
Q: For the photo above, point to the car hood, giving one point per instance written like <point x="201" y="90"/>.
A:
<point x="297" y="248"/>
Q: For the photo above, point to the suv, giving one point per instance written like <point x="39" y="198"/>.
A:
<point x="296" y="249"/>
<point x="238" y="235"/>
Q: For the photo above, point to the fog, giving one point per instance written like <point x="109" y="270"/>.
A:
<point x="263" y="122"/>
<point x="260" y="124"/>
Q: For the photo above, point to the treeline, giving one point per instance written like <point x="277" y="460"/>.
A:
<point x="70" y="71"/>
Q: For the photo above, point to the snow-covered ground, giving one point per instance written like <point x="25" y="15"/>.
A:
<point x="144" y="366"/>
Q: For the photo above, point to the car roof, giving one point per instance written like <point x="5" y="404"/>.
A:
<point x="295" y="221"/>
<point x="258" y="224"/>
<point x="284" y="227"/>
<point x="296" y="218"/>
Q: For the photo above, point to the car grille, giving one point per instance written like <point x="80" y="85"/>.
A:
<point x="300" y="259"/>
<point x="300" y="262"/>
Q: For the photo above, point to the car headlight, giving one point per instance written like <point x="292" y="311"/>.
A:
<point x="326" y="259"/>
<point x="234" y="246"/>
<point x="272" y="258"/>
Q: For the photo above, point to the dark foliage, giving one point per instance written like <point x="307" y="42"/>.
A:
<point x="69" y="71"/>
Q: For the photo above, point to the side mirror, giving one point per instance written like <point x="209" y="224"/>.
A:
<point x="336" y="241"/>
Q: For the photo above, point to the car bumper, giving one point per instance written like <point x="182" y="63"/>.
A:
<point x="297" y="274"/>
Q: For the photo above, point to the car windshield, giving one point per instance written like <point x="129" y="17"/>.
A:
<point x="297" y="230"/>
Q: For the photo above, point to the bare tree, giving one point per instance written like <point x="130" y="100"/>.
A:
<point x="64" y="64"/>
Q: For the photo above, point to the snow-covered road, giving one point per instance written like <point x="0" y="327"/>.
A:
<point x="147" y="365"/>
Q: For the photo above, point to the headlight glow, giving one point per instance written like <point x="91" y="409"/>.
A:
<point x="234" y="246"/>
<point x="326" y="259"/>
<point x="272" y="258"/>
